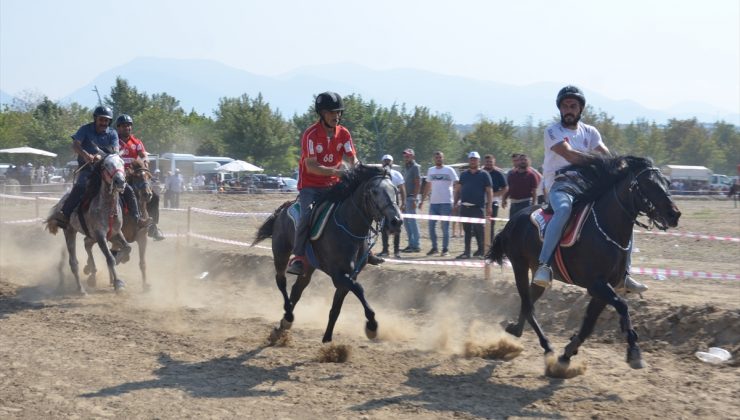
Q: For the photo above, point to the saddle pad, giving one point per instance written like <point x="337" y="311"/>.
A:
<point x="572" y="230"/>
<point x="319" y="217"/>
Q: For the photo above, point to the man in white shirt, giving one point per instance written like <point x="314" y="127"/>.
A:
<point x="441" y="180"/>
<point x="567" y="142"/>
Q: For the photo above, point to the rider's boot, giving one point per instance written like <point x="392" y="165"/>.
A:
<point x="155" y="233"/>
<point x="372" y="259"/>
<point x="543" y="276"/>
<point x="630" y="285"/>
<point x="297" y="265"/>
<point x="133" y="206"/>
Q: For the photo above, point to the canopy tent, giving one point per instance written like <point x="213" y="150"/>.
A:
<point x="29" y="151"/>
<point x="239" y="166"/>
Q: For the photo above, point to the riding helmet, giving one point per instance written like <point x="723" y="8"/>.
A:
<point x="124" y="119"/>
<point x="103" y="111"/>
<point x="571" y="91"/>
<point x="329" y="101"/>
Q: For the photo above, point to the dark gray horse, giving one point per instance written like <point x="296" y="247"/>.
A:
<point x="624" y="188"/>
<point x="139" y="178"/>
<point x="365" y="195"/>
<point x="102" y="218"/>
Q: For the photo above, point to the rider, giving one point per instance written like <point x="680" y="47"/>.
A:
<point x="89" y="142"/>
<point x="568" y="142"/>
<point x="323" y="147"/>
<point x="132" y="148"/>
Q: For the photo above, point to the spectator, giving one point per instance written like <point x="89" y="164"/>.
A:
<point x="499" y="185"/>
<point x="398" y="182"/>
<point x="412" y="179"/>
<point x="174" y="188"/>
<point x="522" y="186"/>
<point x="440" y="183"/>
<point x="472" y="194"/>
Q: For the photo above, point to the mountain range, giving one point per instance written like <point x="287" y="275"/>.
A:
<point x="199" y="84"/>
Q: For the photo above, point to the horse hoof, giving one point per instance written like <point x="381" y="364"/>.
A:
<point x="513" y="329"/>
<point x="638" y="364"/>
<point x="119" y="285"/>
<point x="92" y="281"/>
<point x="371" y="330"/>
<point x="86" y="270"/>
<point x="285" y="324"/>
<point x="563" y="360"/>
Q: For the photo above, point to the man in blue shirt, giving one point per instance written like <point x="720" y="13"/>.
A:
<point x="474" y="198"/>
<point x="89" y="142"/>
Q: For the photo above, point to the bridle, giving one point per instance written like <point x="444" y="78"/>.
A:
<point x="647" y="208"/>
<point x="376" y="210"/>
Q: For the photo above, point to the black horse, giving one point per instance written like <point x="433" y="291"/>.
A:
<point x="364" y="195"/>
<point x="625" y="188"/>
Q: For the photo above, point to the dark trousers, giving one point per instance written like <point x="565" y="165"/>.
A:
<point x="396" y="241"/>
<point x="129" y="197"/>
<point x="78" y="190"/>
<point x="515" y="207"/>
<point x="152" y="208"/>
<point x="472" y="229"/>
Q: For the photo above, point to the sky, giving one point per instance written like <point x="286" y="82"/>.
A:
<point x="659" y="53"/>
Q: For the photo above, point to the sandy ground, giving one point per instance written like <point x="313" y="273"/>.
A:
<point x="195" y="345"/>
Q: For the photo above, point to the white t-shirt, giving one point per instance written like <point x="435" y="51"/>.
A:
<point x="442" y="182"/>
<point x="584" y="138"/>
<point x="396" y="178"/>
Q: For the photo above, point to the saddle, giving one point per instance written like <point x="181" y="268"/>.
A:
<point x="541" y="217"/>
<point x="319" y="217"/>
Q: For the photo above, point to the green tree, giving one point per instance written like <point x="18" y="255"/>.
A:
<point x="496" y="138"/>
<point x="126" y="99"/>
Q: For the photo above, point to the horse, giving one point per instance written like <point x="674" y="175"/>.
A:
<point x="139" y="178"/>
<point x="626" y="187"/>
<point x="365" y="194"/>
<point x="102" y="220"/>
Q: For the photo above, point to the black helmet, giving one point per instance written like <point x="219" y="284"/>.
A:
<point x="571" y="91"/>
<point x="329" y="101"/>
<point x="124" y="119"/>
<point x="103" y="111"/>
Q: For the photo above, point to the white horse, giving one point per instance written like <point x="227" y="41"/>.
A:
<point x="102" y="221"/>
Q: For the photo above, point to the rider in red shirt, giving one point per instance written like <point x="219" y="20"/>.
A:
<point x="323" y="148"/>
<point x="130" y="149"/>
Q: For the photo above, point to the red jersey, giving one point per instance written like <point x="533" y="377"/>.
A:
<point x="130" y="150"/>
<point x="328" y="152"/>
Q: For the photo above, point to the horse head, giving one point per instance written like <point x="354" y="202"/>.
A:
<point x="380" y="196"/>
<point x="112" y="170"/>
<point x="139" y="178"/>
<point x="650" y="196"/>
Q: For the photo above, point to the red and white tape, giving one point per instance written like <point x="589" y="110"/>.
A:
<point x="22" y="221"/>
<point x="690" y="235"/>
<point x="227" y="213"/>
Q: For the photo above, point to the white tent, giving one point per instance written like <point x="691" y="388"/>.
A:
<point x="29" y="151"/>
<point x="239" y="166"/>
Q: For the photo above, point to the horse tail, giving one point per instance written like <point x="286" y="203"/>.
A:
<point x="51" y="222"/>
<point x="496" y="252"/>
<point x="265" y="231"/>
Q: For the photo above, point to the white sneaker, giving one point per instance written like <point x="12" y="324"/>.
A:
<point x="630" y="285"/>
<point x="543" y="276"/>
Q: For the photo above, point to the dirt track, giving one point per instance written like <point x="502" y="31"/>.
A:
<point x="194" y="346"/>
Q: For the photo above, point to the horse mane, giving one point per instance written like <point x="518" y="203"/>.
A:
<point x="352" y="179"/>
<point x="604" y="171"/>
<point x="137" y="164"/>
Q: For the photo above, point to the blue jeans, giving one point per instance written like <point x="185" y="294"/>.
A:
<point x="441" y="209"/>
<point x="306" y="197"/>
<point x="562" y="203"/>
<point x="412" y="229"/>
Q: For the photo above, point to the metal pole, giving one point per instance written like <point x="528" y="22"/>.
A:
<point x="190" y="211"/>
<point x="486" y="246"/>
<point x="36" y="202"/>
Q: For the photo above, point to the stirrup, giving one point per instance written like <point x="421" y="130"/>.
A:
<point x="543" y="276"/>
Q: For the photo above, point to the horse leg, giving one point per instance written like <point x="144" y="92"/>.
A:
<point x="371" y="326"/>
<point x="336" y="307"/>
<point x="70" y="237"/>
<point x="603" y="291"/>
<point x="521" y="273"/>
<point x="535" y="292"/>
<point x="117" y="283"/>
<point x="295" y="295"/>
<point x="142" y="242"/>
<point x="90" y="268"/>
<point x="594" y="309"/>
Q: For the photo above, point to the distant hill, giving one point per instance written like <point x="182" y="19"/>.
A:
<point x="6" y="98"/>
<point x="199" y="84"/>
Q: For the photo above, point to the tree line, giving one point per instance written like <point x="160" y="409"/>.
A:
<point x="248" y="128"/>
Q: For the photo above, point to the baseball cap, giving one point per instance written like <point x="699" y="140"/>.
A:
<point x="473" y="155"/>
<point x="387" y="157"/>
<point x="409" y="152"/>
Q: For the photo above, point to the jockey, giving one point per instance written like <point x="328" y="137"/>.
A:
<point x="89" y="142"/>
<point x="323" y="147"/>
<point x="131" y="149"/>
<point x="568" y="142"/>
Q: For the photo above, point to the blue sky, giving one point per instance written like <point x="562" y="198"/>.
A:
<point x="658" y="53"/>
